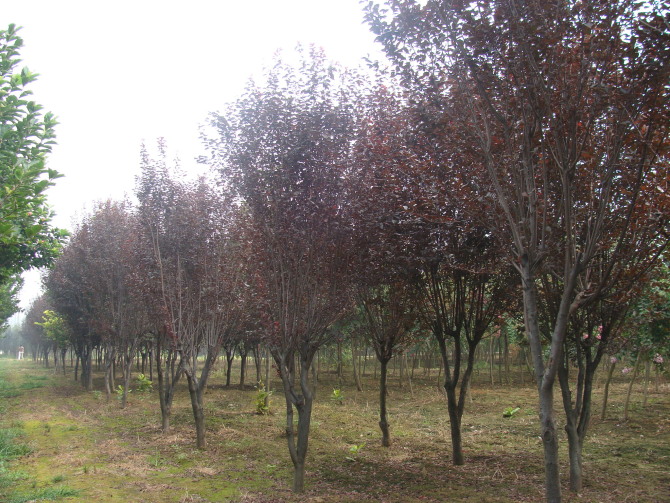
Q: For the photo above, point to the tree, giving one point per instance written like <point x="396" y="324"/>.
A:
<point x="109" y="247"/>
<point x="158" y="193"/>
<point x="71" y="289"/>
<point x="193" y="275"/>
<point x="409" y="225"/>
<point x="553" y="117"/>
<point x="388" y="318"/>
<point x="31" y="332"/>
<point x="282" y="148"/>
<point x="9" y="299"/>
<point x="384" y="236"/>
<point x="26" y="137"/>
<point x="56" y="329"/>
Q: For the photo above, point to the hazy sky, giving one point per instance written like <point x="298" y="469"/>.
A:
<point x="120" y="73"/>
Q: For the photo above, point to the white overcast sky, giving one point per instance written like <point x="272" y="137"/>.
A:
<point x="120" y="73"/>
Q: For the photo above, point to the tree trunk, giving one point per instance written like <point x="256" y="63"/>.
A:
<point x="195" y="392"/>
<point x="550" y="443"/>
<point x="315" y="377"/>
<point x="339" y="364"/>
<point x="168" y="372"/>
<point x="258" y="363"/>
<point x="647" y="374"/>
<point x="243" y="368"/>
<point x="230" y="355"/>
<point x="267" y="381"/>
<point x="491" y="338"/>
<point x="607" y="390"/>
<point x="357" y="378"/>
<point x="455" y="424"/>
<point x="303" y="404"/>
<point x="383" y="413"/>
<point x="630" y="386"/>
<point x="63" y="353"/>
<point x="545" y="378"/>
<point x="575" y="454"/>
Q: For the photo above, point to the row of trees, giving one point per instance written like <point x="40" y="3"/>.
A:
<point x="513" y="161"/>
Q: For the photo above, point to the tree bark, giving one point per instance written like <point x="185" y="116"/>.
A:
<point x="383" y="413"/>
<point x="630" y="386"/>
<point x="455" y="425"/>
<point x="230" y="356"/>
<point x="357" y="378"/>
<point x="195" y="392"/>
<point x="243" y="368"/>
<point x="545" y="382"/>
<point x="575" y="454"/>
<point x="297" y="444"/>
<point x="606" y="392"/>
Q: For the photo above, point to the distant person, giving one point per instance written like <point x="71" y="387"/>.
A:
<point x="20" y="353"/>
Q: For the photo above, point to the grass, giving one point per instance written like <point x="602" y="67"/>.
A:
<point x="113" y="455"/>
<point x="46" y="494"/>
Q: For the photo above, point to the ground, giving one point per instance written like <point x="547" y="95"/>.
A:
<point x="83" y="448"/>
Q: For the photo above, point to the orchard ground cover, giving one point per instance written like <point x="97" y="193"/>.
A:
<point x="71" y="445"/>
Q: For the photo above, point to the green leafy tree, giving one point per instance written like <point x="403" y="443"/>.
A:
<point x="9" y="299"/>
<point x="57" y="330"/>
<point x="26" y="136"/>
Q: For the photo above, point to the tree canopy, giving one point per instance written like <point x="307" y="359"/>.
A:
<point x="27" y="238"/>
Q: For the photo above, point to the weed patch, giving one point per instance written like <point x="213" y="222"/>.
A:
<point x="46" y="494"/>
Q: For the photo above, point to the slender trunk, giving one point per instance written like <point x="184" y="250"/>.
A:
<point x="297" y="445"/>
<point x="127" y="370"/>
<point x="455" y="424"/>
<point x="383" y="413"/>
<point x="315" y="375"/>
<point x="230" y="355"/>
<point x="577" y="416"/>
<point x="365" y="360"/>
<point x="126" y="384"/>
<point x="195" y="392"/>
<point x="550" y="443"/>
<point x="151" y="365"/>
<point x="162" y="391"/>
<point x="491" y="338"/>
<point x="257" y="362"/>
<point x="545" y="381"/>
<point x="450" y="386"/>
<point x="267" y="380"/>
<point x="339" y="364"/>
<point x="500" y="359"/>
<point x="507" y="366"/>
<point x="575" y="454"/>
<point x="87" y="367"/>
<point x="108" y="370"/>
<point x="243" y="368"/>
<point x="647" y="373"/>
<point x="357" y="378"/>
<point x="606" y="392"/>
<point x="630" y="386"/>
<point x="169" y="373"/>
